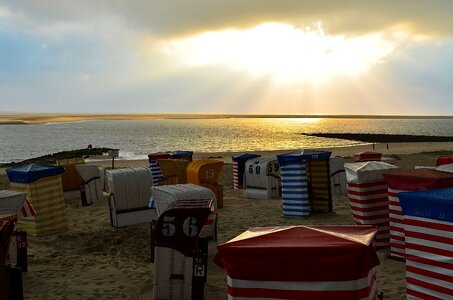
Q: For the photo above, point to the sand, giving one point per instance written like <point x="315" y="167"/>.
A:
<point x="92" y="260"/>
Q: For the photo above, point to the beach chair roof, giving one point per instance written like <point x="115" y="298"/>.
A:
<point x="418" y="179"/>
<point x="32" y="172"/>
<point x="299" y="253"/>
<point x="244" y="156"/>
<point x="436" y="204"/>
<point x="296" y="156"/>
<point x="367" y="171"/>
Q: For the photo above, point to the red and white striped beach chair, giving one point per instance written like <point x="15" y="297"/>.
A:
<point x="368" y="198"/>
<point x="428" y="225"/>
<point x="406" y="181"/>
<point x="301" y="262"/>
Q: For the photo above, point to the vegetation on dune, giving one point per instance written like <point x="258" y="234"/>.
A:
<point x="383" y="138"/>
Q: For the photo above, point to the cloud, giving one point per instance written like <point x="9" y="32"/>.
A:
<point x="172" y="18"/>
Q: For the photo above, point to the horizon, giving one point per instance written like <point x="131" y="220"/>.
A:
<point x="227" y="57"/>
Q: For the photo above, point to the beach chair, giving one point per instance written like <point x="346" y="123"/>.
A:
<point x="367" y="156"/>
<point x="261" y="178"/>
<point x="164" y="195"/>
<point x="130" y="192"/>
<point x="239" y="168"/>
<point x="181" y="254"/>
<point x="91" y="188"/>
<point x="206" y="173"/>
<point x="338" y="176"/>
<point x="15" y="204"/>
<point x="42" y="184"/>
<point x="71" y="178"/>
<point x="174" y="171"/>
<point x="7" y="223"/>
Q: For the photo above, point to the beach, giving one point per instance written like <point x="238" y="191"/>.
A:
<point x="93" y="260"/>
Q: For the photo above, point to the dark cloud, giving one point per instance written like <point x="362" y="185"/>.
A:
<point x="173" y="18"/>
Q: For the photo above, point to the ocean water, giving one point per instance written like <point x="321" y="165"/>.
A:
<point x="137" y="138"/>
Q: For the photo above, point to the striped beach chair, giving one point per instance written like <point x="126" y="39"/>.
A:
<point x="43" y="186"/>
<point x="428" y="226"/>
<point x="301" y="262"/>
<point x="409" y="181"/>
<point x="305" y="179"/>
<point x="239" y="168"/>
<point x="368" y="197"/>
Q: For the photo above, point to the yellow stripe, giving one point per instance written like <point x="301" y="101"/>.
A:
<point x="38" y="202"/>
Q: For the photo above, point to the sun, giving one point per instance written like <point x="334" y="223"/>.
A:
<point x="283" y="50"/>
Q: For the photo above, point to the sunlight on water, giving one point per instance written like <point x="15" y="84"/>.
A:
<point x="136" y="139"/>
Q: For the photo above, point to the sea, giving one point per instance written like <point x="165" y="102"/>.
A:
<point x="137" y="138"/>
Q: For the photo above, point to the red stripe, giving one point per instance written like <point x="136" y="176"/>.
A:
<point x="367" y="209"/>
<point x="290" y="294"/>
<point x="430" y="286"/>
<point x="396" y="212"/>
<point x="421" y="295"/>
<point x="367" y="193"/>
<point x="369" y="184"/>
<point x="430" y="274"/>
<point x="396" y="245"/>
<point x="429" y="249"/>
<point x="397" y="229"/>
<point x="425" y="224"/>
<point x="426" y="261"/>
<point x="429" y="237"/>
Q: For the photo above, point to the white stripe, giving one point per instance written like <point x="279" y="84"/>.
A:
<point x="370" y="205"/>
<point x="433" y="244"/>
<point x="398" y="208"/>
<point x="370" y="213"/>
<point x="349" y="285"/>
<point x="435" y="269"/>
<point x="426" y="291"/>
<point x="294" y="201"/>
<point x="434" y="281"/>
<point x="428" y="255"/>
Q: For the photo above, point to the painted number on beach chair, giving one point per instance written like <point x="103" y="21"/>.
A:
<point x="251" y="169"/>
<point x="257" y="169"/>
<point x="168" y="226"/>
<point x="189" y="227"/>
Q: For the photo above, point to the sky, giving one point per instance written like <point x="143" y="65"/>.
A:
<point x="226" y="56"/>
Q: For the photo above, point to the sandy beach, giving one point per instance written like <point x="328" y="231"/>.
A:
<point x="92" y="260"/>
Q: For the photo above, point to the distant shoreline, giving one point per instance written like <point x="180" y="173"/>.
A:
<point x="383" y="138"/>
<point x="26" y="118"/>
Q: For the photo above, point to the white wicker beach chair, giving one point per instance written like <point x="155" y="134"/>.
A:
<point x="338" y="176"/>
<point x="261" y="178"/>
<point x="91" y="190"/>
<point x="130" y="191"/>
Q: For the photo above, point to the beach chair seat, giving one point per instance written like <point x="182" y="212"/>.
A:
<point x="91" y="188"/>
<point x="206" y="173"/>
<point x="10" y="278"/>
<point x="71" y="178"/>
<point x="261" y="178"/>
<point x="130" y="192"/>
